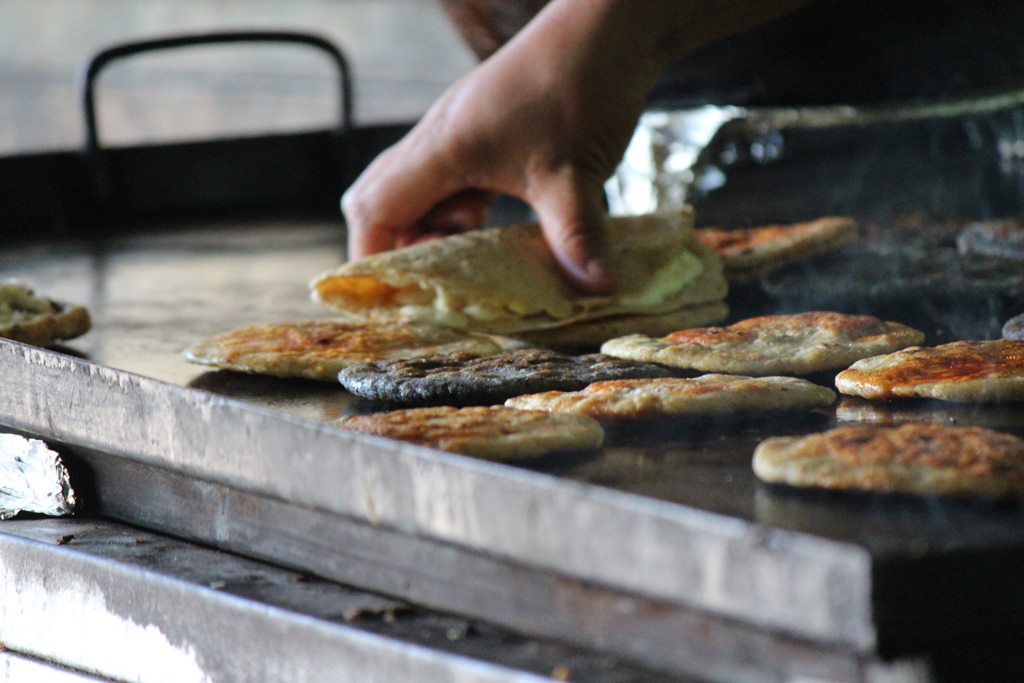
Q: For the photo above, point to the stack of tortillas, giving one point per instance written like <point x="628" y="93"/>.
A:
<point x="505" y="281"/>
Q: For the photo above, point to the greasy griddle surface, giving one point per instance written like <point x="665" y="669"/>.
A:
<point x="153" y="295"/>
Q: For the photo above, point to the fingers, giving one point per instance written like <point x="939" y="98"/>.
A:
<point x="385" y="203"/>
<point x="571" y="212"/>
<point x="464" y="211"/>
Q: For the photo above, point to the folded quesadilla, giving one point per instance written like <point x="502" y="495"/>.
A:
<point x="505" y="280"/>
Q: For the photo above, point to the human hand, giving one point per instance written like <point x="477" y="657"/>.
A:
<point x="546" y="119"/>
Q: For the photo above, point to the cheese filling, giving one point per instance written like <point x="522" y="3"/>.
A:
<point x="666" y="282"/>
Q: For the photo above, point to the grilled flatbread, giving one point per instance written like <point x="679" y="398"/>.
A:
<point x="749" y="253"/>
<point x="964" y="371"/>
<point x="505" y="280"/>
<point x="36" y="320"/>
<point x="719" y="395"/>
<point x="491" y="432"/>
<point x="318" y="349"/>
<point x="462" y="379"/>
<point x="912" y="458"/>
<point x="1014" y="328"/>
<point x="797" y="344"/>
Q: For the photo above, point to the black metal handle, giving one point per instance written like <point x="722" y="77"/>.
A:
<point x="103" y="58"/>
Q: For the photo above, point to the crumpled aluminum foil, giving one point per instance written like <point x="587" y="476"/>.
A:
<point x="676" y="155"/>
<point x="33" y="479"/>
<point x="657" y="171"/>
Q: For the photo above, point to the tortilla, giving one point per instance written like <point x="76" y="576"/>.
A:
<point x="912" y="458"/>
<point x="707" y="395"/>
<point x="964" y="371"/>
<point x="491" y="432"/>
<point x="505" y="280"/>
<point x="747" y="254"/>
<point x="462" y="379"/>
<point x="319" y="349"/>
<point x="798" y="344"/>
<point x="31" y="319"/>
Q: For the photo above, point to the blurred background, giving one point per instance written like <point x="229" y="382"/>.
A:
<point x="403" y="54"/>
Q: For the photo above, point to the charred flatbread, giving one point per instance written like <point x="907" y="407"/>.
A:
<point x="964" y="371"/>
<point x="32" y="319"/>
<point x="1014" y="328"/>
<point x="492" y="432"/>
<point x="799" y="344"/>
<point x="718" y="395"/>
<point x="319" y="349"/>
<point x="506" y="281"/>
<point x="749" y="253"/>
<point x="912" y="458"/>
<point x="463" y="379"/>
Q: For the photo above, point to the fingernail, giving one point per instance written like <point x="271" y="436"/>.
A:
<point x="596" y="268"/>
<point x="600" y="275"/>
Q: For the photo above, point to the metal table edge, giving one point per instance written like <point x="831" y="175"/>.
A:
<point x="171" y="614"/>
<point x="533" y="518"/>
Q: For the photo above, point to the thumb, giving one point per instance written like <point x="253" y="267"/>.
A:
<point x="572" y="218"/>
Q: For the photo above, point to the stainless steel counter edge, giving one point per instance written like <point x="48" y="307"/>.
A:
<point x="15" y="668"/>
<point x="723" y="565"/>
<point x="127" y="623"/>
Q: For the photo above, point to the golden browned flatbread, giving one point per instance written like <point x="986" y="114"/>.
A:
<point x="749" y="253"/>
<point x="506" y="281"/>
<point x="318" y="349"/>
<point x="32" y="319"/>
<point x="963" y="371"/>
<point x="491" y="432"/>
<point x="912" y="458"/>
<point x="798" y="344"/>
<point x="662" y="397"/>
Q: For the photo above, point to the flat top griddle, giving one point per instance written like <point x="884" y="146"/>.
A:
<point x="152" y="296"/>
<point x="882" y="559"/>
